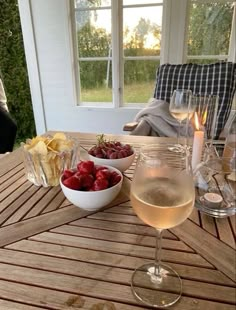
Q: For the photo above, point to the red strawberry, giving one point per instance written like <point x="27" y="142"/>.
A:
<point x="100" y="184"/>
<point x="73" y="183"/>
<point x="86" y="167"/>
<point x="114" y="179"/>
<point x="103" y="174"/>
<point x="87" y="181"/>
<point x="97" y="168"/>
<point x="67" y="173"/>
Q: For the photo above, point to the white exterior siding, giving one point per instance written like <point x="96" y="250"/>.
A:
<point x="49" y="51"/>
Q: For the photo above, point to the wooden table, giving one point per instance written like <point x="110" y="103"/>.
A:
<point x="56" y="256"/>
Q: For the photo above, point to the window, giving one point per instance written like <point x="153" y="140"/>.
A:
<point x="209" y="31"/>
<point x="118" y="47"/>
<point x="120" y="44"/>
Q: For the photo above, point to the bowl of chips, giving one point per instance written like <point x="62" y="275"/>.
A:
<point x="46" y="157"/>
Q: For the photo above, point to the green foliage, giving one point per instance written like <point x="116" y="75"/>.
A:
<point x="209" y="30"/>
<point x="13" y="69"/>
<point x="95" y="42"/>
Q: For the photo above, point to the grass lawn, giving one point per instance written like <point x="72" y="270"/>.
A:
<point x="134" y="93"/>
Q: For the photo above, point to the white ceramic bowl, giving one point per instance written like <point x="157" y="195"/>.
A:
<point x="92" y="200"/>
<point x="121" y="164"/>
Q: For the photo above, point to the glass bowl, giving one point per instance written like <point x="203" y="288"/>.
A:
<point x="215" y="184"/>
<point x="45" y="158"/>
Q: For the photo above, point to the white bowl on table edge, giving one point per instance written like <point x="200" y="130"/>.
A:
<point x="121" y="164"/>
<point x="92" y="200"/>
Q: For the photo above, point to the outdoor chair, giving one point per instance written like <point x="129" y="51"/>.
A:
<point x="207" y="79"/>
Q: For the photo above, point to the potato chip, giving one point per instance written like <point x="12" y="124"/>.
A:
<point x="47" y="156"/>
<point x="59" y="135"/>
<point x="39" y="148"/>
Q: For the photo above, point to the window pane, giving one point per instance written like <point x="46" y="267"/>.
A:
<point x="93" y="39"/>
<point x="142" y="32"/>
<point x="132" y="2"/>
<point x="139" y="80"/>
<point x="95" y="79"/>
<point x="142" y="37"/>
<point x="81" y="4"/>
<point x="209" y="28"/>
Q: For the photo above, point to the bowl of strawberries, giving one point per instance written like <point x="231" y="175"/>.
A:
<point x="112" y="153"/>
<point x="90" y="186"/>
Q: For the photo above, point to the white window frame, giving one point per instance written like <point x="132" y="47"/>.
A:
<point x="117" y="58"/>
<point x="173" y="46"/>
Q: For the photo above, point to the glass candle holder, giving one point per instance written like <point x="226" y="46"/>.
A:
<point x="215" y="183"/>
<point x="207" y="108"/>
<point x="45" y="158"/>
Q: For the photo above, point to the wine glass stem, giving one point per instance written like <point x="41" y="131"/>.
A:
<point x="158" y="252"/>
<point x="178" y="133"/>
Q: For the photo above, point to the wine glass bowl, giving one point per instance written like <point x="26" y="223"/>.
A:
<point x="162" y="195"/>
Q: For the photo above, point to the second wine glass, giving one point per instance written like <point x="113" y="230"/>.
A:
<point x="181" y="109"/>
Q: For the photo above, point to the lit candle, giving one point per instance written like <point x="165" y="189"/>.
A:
<point x="213" y="200"/>
<point x="197" y="144"/>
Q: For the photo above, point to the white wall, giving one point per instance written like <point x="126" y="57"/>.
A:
<point x="46" y="32"/>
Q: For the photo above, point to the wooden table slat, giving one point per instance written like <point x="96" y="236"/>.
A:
<point x="208" y="223"/>
<point x="121" y="248"/>
<point x="120" y="237"/>
<point x="56" y="256"/>
<point x="219" y="254"/>
<point x="103" y="287"/>
<point x="225" y="232"/>
<point x="62" y="300"/>
<point x="125" y="227"/>
<point x="103" y="258"/>
<point x="28" y="205"/>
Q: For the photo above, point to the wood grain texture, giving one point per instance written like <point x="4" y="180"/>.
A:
<point x="56" y="256"/>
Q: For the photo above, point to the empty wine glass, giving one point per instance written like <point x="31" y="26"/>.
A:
<point x="162" y="195"/>
<point x="181" y="109"/>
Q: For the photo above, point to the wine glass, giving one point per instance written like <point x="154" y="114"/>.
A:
<point x="162" y="195"/>
<point x="181" y="109"/>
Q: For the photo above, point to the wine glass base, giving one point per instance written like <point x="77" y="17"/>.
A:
<point x="159" y="290"/>
<point x="177" y="148"/>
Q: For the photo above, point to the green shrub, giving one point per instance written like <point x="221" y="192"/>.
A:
<point x="14" y="71"/>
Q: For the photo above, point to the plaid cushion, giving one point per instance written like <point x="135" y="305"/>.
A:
<point x="211" y="79"/>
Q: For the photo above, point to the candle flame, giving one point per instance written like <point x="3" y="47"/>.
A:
<point x="196" y="121"/>
<point x="204" y="117"/>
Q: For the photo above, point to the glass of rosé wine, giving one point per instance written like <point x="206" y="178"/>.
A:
<point x="162" y="195"/>
<point x="181" y="108"/>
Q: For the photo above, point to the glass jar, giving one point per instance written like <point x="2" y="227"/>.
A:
<point x="45" y="158"/>
<point x="215" y="184"/>
<point x="230" y="142"/>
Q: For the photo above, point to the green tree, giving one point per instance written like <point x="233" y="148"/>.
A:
<point x="13" y="69"/>
<point x="93" y="42"/>
<point x="209" y="29"/>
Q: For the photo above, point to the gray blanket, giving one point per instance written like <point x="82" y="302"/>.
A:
<point x="156" y="120"/>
